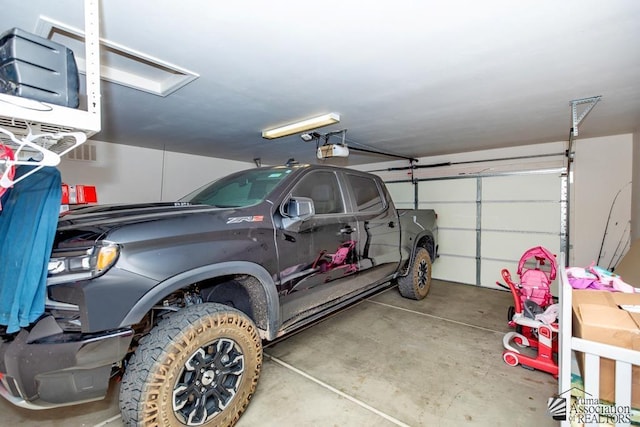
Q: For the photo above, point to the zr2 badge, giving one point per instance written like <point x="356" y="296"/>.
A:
<point x="239" y="219"/>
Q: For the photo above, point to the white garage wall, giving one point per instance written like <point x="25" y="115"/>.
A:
<point x="602" y="170"/>
<point x="635" y="201"/>
<point x="126" y="174"/>
<point x="184" y="173"/>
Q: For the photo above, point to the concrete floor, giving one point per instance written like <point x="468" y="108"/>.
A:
<point x="386" y="361"/>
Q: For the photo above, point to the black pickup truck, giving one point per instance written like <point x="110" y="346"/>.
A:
<point x="178" y="297"/>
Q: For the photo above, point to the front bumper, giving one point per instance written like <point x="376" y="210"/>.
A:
<point x="43" y="367"/>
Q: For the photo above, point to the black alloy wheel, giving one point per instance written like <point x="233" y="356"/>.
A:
<point x="198" y="367"/>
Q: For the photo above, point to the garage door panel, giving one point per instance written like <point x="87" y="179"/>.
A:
<point x="452" y="190"/>
<point x="521" y="187"/>
<point x="403" y="205"/>
<point x="455" y="269"/>
<point x="401" y="193"/>
<point x="507" y="214"/>
<point x="537" y="217"/>
<point x="511" y="246"/>
<point x="457" y="242"/>
<point x="461" y="215"/>
<point x="491" y="272"/>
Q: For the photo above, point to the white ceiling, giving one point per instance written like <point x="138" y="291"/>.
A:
<point x="417" y="78"/>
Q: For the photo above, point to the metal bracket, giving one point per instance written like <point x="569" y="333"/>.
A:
<point x="592" y="101"/>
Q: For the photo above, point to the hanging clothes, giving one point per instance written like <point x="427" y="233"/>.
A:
<point x="6" y="171"/>
<point x="28" y="223"/>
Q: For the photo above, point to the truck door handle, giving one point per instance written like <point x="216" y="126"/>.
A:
<point x="346" y="230"/>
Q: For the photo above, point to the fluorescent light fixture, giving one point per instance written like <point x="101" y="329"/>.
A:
<point x="301" y="126"/>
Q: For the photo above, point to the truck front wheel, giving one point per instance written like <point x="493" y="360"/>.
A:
<point x="199" y="366"/>
<point x="416" y="283"/>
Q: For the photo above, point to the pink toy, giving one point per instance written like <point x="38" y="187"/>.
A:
<point x="535" y="283"/>
<point x="533" y="312"/>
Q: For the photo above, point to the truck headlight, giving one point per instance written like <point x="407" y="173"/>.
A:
<point x="92" y="261"/>
<point x="107" y="256"/>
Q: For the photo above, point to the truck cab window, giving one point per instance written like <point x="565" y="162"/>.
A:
<point x="366" y="192"/>
<point x="321" y="187"/>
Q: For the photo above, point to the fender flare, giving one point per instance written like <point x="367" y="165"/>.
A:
<point x="179" y="281"/>
<point x="428" y="235"/>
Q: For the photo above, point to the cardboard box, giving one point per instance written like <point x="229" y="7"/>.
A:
<point x="629" y="266"/>
<point x="598" y="317"/>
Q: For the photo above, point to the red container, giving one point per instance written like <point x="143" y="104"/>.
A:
<point x="78" y="194"/>
<point x="65" y="195"/>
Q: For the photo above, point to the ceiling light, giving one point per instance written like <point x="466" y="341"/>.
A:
<point x="301" y="126"/>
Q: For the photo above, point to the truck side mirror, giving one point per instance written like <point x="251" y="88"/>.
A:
<point x="295" y="212"/>
<point x="300" y="208"/>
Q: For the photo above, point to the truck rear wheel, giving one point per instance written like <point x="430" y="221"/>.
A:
<point x="199" y="366"/>
<point x="416" y="284"/>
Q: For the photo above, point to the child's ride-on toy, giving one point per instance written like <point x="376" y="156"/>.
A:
<point x="533" y="314"/>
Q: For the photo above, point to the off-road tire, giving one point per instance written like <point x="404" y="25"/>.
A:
<point x="207" y="348"/>
<point x="416" y="283"/>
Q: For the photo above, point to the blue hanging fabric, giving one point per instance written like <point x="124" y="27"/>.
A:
<point x="28" y="223"/>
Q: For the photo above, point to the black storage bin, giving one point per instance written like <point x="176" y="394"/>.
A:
<point x="38" y="68"/>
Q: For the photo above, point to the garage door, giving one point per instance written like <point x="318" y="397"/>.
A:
<point x="487" y="222"/>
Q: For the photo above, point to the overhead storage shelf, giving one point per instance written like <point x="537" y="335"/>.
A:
<point x="15" y="114"/>
<point x="40" y="133"/>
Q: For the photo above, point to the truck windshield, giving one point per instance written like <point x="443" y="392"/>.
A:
<point x="241" y="189"/>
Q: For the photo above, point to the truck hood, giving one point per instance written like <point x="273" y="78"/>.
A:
<point x="83" y="226"/>
<point x="125" y="213"/>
